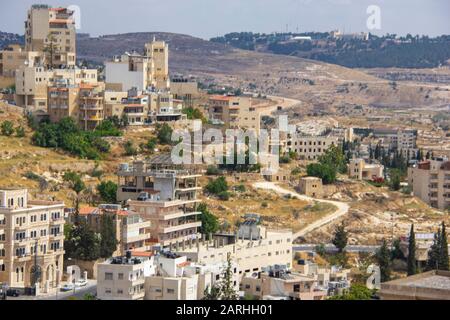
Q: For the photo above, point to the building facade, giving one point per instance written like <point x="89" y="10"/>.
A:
<point x="31" y="238"/>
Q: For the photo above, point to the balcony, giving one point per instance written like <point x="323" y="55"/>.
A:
<point x="136" y="238"/>
<point x="182" y="227"/>
<point x="91" y="107"/>
<point x="23" y="258"/>
<point x="93" y="118"/>
<point x="180" y="214"/>
<point x="58" y="236"/>
<point x="59" y="220"/>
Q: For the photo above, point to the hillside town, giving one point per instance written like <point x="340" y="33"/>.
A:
<point x="94" y="205"/>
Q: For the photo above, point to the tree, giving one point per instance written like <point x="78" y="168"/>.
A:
<point x="130" y="149"/>
<point x="340" y="237"/>
<point x="81" y="243"/>
<point x="77" y="185"/>
<point x="396" y="252"/>
<point x="356" y="292"/>
<point x="227" y="288"/>
<point x="51" y="48"/>
<point x="108" y="191"/>
<point x="324" y="171"/>
<point x="108" y="239"/>
<point x="395" y="178"/>
<point x="383" y="258"/>
<point x="334" y="157"/>
<point x="210" y="223"/>
<point x="164" y="134"/>
<point x="7" y="128"/>
<point x="217" y="186"/>
<point x="434" y="252"/>
<point x="411" y="260"/>
<point x="443" y="252"/>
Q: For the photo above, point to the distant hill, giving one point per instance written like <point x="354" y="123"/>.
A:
<point x="7" y="38"/>
<point x="350" y="51"/>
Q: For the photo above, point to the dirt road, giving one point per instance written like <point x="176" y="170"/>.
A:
<point x="342" y="207"/>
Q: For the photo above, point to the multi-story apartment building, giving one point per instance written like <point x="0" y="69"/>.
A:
<point x="176" y="278"/>
<point x="234" y="112"/>
<point x="124" y="278"/>
<point x="52" y="30"/>
<point x="132" y="231"/>
<point x="184" y="89"/>
<point x="360" y="170"/>
<point x="158" y="53"/>
<point x="430" y="181"/>
<point x="31" y="239"/>
<point x="309" y="147"/>
<point x="403" y="140"/>
<point x="163" y="107"/>
<point x="14" y="56"/>
<point x="168" y="198"/>
<point x="131" y="70"/>
<point x="250" y="253"/>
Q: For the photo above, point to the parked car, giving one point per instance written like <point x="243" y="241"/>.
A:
<point x="81" y="283"/>
<point x="12" y="293"/>
<point x="67" y="287"/>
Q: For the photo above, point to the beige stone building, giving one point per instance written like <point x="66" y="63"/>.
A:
<point x="309" y="147"/>
<point x="430" y="181"/>
<point x="132" y="231"/>
<point x="283" y="284"/>
<point x="251" y="254"/>
<point x="52" y="30"/>
<point x="123" y="278"/>
<point x="31" y="233"/>
<point x="14" y="56"/>
<point x="167" y="197"/>
<point x="431" y="285"/>
<point x="360" y="170"/>
<point x="234" y="112"/>
<point x="185" y="90"/>
<point x="311" y="186"/>
<point x="158" y="53"/>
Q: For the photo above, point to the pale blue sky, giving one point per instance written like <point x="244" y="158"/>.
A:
<point x="209" y="18"/>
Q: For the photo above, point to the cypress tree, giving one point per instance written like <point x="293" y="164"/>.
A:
<point x="412" y="252"/>
<point x="108" y="239"/>
<point x="227" y="288"/>
<point x="443" y="252"/>
<point x="433" y="254"/>
<point x="383" y="256"/>
<point x="340" y="237"/>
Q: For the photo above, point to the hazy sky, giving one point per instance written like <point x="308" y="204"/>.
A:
<point x="209" y="18"/>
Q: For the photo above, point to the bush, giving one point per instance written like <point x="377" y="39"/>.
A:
<point x="212" y="171"/>
<point x="108" y="191"/>
<point x="20" y="132"/>
<point x="217" y="186"/>
<point x="323" y="171"/>
<point x="130" y="149"/>
<point x="224" y="195"/>
<point x="7" y="128"/>
<point x="164" y="134"/>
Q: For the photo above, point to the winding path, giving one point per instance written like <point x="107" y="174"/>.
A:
<point x="342" y="207"/>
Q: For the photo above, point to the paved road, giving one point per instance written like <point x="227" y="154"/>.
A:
<point x="280" y="101"/>
<point x="342" y="207"/>
<point x="91" y="288"/>
<point x="330" y="248"/>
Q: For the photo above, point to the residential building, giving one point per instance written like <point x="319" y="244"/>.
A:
<point x="431" y="285"/>
<point x="278" y="281"/>
<point x="158" y="53"/>
<point x="14" y="56"/>
<point x="430" y="181"/>
<point x="132" y="231"/>
<point x="360" y="170"/>
<point x="131" y="70"/>
<point x="396" y="139"/>
<point x="234" y="112"/>
<point x="168" y="198"/>
<point x="52" y="30"/>
<point x="311" y="186"/>
<point x="123" y="278"/>
<point x="334" y="279"/>
<point x="251" y="254"/>
<point x="31" y="236"/>
<point x="163" y="107"/>
<point x="184" y="89"/>
<point x="309" y="147"/>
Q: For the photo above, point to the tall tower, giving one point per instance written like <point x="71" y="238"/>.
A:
<point x="158" y="52"/>
<point x="51" y="30"/>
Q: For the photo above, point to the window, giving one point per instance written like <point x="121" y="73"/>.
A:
<point x="258" y="288"/>
<point x="120" y="276"/>
<point x="107" y="290"/>
<point x="108" y="276"/>
<point x="119" y="291"/>
<point x="171" y="291"/>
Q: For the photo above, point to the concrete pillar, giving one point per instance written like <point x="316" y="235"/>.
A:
<point x="177" y="246"/>
<point x="190" y="243"/>
<point x="183" y="245"/>
<point x="85" y="275"/>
